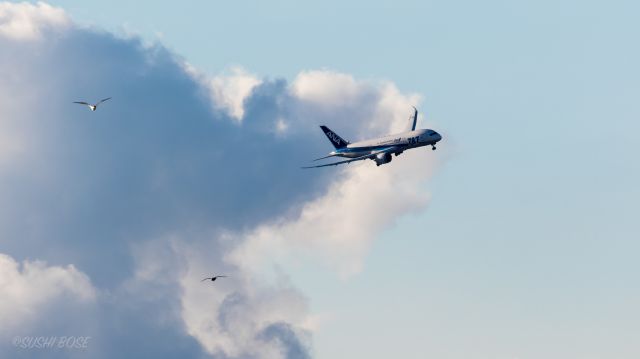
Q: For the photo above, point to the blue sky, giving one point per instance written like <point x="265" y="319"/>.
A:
<point x="527" y="246"/>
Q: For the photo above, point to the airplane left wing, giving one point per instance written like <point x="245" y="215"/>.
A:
<point x="370" y="155"/>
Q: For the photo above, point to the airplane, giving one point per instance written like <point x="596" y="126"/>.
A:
<point x="379" y="149"/>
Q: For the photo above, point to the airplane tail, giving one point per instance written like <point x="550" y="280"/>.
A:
<point x="337" y="141"/>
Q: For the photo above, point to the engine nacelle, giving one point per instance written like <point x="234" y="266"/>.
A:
<point x="382" y="158"/>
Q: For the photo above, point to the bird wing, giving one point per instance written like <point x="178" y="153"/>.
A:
<point x="205" y="279"/>
<point x="81" y="102"/>
<point x="103" y="100"/>
<point x="221" y="276"/>
<point x="370" y="155"/>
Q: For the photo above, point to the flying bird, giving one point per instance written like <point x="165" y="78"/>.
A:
<point x="214" y="278"/>
<point x="94" y="106"/>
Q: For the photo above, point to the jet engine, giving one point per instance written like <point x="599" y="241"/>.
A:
<point x="382" y="158"/>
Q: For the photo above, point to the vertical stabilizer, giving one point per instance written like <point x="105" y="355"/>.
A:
<point x="337" y="141"/>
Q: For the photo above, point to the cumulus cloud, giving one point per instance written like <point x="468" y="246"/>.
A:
<point x="181" y="176"/>
<point x="372" y="199"/>
<point x="29" y="286"/>
<point x="320" y="226"/>
<point x="328" y="88"/>
<point x="234" y="322"/>
<point x="228" y="90"/>
<point x="26" y="21"/>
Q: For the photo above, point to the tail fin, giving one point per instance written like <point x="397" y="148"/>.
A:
<point x="337" y="141"/>
<point x="412" y="120"/>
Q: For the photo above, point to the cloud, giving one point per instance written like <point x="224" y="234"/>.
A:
<point x="229" y="90"/>
<point x="328" y="88"/>
<point x="181" y="176"/>
<point x="362" y="199"/>
<point x="290" y="341"/>
<point x="231" y="316"/>
<point x="29" y="286"/>
<point x="25" y="21"/>
<point x="371" y="198"/>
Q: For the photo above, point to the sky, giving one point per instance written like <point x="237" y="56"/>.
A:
<point x="515" y="239"/>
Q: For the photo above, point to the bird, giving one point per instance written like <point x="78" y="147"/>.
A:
<point x="92" y="107"/>
<point x="214" y="278"/>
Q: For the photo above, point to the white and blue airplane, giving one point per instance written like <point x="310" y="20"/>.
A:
<point x="380" y="149"/>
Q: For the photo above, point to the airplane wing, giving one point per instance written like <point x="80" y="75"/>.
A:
<point x="412" y="120"/>
<point x="370" y="155"/>
<point x="322" y="158"/>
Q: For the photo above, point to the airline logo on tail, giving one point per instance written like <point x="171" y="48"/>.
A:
<point x="337" y="141"/>
<point x="334" y="138"/>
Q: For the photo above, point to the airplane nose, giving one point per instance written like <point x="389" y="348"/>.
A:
<point x="438" y="137"/>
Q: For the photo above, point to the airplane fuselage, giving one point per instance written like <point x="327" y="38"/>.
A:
<point x="403" y="141"/>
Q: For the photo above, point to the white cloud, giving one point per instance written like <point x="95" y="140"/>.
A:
<point x="28" y="287"/>
<point x="363" y="200"/>
<point x="325" y="87"/>
<point x="393" y="109"/>
<point x="377" y="106"/>
<point x="229" y="316"/>
<point x="138" y="197"/>
<point x="239" y="316"/>
<point x="338" y="227"/>
<point x="26" y="21"/>
<point x="227" y="90"/>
